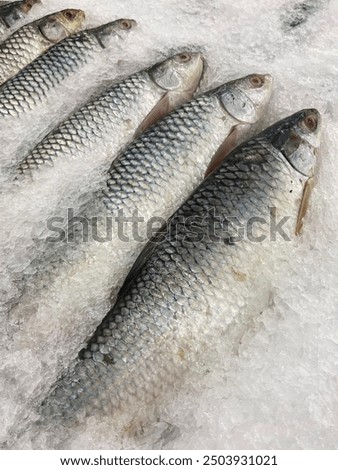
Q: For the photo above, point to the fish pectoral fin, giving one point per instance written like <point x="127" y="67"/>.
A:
<point x="223" y="151"/>
<point x="160" y="110"/>
<point x="304" y="204"/>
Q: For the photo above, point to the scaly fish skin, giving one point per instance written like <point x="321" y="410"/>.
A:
<point x="161" y="168"/>
<point x="173" y="156"/>
<point x="26" y="44"/>
<point x="11" y="14"/>
<point x="66" y="161"/>
<point x="91" y="136"/>
<point x="30" y="88"/>
<point x="194" y="284"/>
<point x="153" y="176"/>
<point x="177" y="149"/>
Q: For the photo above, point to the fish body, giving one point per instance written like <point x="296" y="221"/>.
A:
<point x="12" y="13"/>
<point x="31" y="87"/>
<point x="116" y="115"/>
<point x="151" y="177"/>
<point x="70" y="158"/>
<point x="65" y="162"/>
<point x="33" y="39"/>
<point x="92" y="135"/>
<point x="197" y="280"/>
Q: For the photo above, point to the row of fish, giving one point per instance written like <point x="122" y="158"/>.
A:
<point x="141" y="147"/>
<point x="28" y="42"/>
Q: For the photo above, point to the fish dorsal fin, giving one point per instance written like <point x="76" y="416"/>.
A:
<point x="160" y="110"/>
<point x="304" y="204"/>
<point x="223" y="151"/>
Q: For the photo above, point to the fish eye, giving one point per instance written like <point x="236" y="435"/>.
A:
<point x="310" y="122"/>
<point x="184" y="57"/>
<point x="125" y="24"/>
<point x="69" y="14"/>
<point x="256" y="81"/>
<point x="30" y="3"/>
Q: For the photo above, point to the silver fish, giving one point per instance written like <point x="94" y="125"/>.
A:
<point x="153" y="176"/>
<point x="114" y="116"/>
<point x="26" y="44"/>
<point x="120" y="111"/>
<point x="12" y="13"/>
<point x="31" y="87"/>
<point x="68" y="160"/>
<point x="198" y="278"/>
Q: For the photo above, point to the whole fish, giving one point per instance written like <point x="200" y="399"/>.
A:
<point x="11" y="14"/>
<point x="152" y="176"/>
<point x="27" y="43"/>
<point x="197" y="280"/>
<point x="30" y="88"/>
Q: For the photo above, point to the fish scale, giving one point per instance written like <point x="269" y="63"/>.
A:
<point x="187" y="290"/>
<point x="198" y="117"/>
<point x="88" y="124"/>
<point x="152" y="176"/>
<point x="22" y="47"/>
<point x="32" y="85"/>
<point x="119" y="115"/>
<point x="28" y="42"/>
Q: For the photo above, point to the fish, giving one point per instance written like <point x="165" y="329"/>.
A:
<point x="35" y="38"/>
<point x="152" y="176"/>
<point x="117" y="115"/>
<point x="119" y="111"/>
<point x="30" y="89"/>
<point x="72" y="157"/>
<point x="92" y="135"/>
<point x="196" y="280"/>
<point x="12" y="13"/>
<point x="183" y="143"/>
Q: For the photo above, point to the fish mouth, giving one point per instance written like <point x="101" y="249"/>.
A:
<point x="267" y="79"/>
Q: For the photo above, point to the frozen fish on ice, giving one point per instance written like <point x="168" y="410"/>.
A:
<point x="196" y="280"/>
<point x="153" y="176"/>
<point x="31" y="40"/>
<point x="31" y="87"/>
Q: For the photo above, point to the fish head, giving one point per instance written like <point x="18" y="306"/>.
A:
<point x="27" y="5"/>
<point x="59" y="25"/>
<point x="12" y="13"/>
<point x="179" y="76"/>
<point x="106" y="32"/>
<point x="246" y="98"/>
<point x="298" y="138"/>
